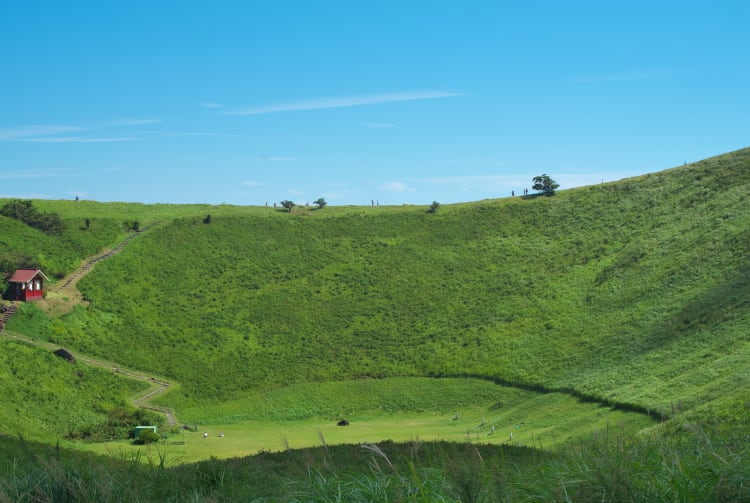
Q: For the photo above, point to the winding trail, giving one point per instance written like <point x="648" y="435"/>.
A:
<point x="68" y="287"/>
<point x="89" y="263"/>
<point x="157" y="385"/>
<point x="63" y="296"/>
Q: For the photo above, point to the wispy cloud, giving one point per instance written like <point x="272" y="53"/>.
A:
<point x="23" y="133"/>
<point x="477" y="162"/>
<point x="395" y="187"/>
<point x="214" y="134"/>
<point x="27" y="195"/>
<point x="253" y="183"/>
<point x="36" y="133"/>
<point x="210" y="104"/>
<point x="77" y="139"/>
<point x="624" y="77"/>
<point x="471" y="180"/>
<point x="344" y="102"/>
<point x="482" y="183"/>
<point x="136" y="122"/>
<point x="37" y="173"/>
<point x="378" y="125"/>
<point x="262" y="158"/>
<point x="271" y="158"/>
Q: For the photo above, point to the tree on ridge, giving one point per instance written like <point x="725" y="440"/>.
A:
<point x="545" y="184"/>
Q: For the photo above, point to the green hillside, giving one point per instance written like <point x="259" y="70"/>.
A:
<point x="633" y="292"/>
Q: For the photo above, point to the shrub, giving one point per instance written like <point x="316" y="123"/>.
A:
<point x="23" y="210"/>
<point x="288" y="204"/>
<point x="320" y="202"/>
<point x="146" y="437"/>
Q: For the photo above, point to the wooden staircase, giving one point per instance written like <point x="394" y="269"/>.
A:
<point x="7" y="313"/>
<point x="91" y="263"/>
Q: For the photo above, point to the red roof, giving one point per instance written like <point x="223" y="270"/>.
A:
<point x="25" y="275"/>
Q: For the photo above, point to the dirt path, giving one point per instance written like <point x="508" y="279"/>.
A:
<point x="157" y="385"/>
<point x="63" y="296"/>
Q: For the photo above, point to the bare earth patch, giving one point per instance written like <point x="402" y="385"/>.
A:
<point x="62" y="297"/>
<point x="60" y="302"/>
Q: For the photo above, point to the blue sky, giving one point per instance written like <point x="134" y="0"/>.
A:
<point x="403" y="102"/>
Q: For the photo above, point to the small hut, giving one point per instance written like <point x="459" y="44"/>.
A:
<point x="27" y="285"/>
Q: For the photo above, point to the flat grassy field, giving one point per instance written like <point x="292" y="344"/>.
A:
<point x="548" y="421"/>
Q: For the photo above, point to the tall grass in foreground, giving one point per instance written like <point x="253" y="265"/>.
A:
<point x="685" y="464"/>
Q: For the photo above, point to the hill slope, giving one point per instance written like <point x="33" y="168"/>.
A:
<point x="634" y="291"/>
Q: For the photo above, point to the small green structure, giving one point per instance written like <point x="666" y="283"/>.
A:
<point x="138" y="429"/>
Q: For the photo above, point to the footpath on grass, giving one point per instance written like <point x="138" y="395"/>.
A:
<point x="63" y="296"/>
<point x="157" y="386"/>
<point x="61" y="299"/>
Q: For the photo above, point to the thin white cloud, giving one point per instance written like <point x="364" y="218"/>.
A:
<point x="378" y="125"/>
<point x="205" y="133"/>
<point x="473" y="181"/>
<point x="271" y="158"/>
<point x="23" y="133"/>
<point x="136" y="122"/>
<point x="36" y="173"/>
<point x="625" y="77"/>
<point x="333" y="195"/>
<point x="69" y="134"/>
<point x="77" y="139"/>
<point x="344" y="102"/>
<point x="472" y="162"/>
<point x="263" y="158"/>
<point x="210" y="105"/>
<point x="486" y="184"/>
<point x="253" y="183"/>
<point x="28" y="195"/>
<point x="226" y="135"/>
<point x="395" y="187"/>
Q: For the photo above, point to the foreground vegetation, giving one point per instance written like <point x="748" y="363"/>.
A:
<point x="694" y="466"/>
<point x="48" y="398"/>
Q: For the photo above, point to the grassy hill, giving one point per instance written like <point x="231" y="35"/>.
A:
<point x="632" y="293"/>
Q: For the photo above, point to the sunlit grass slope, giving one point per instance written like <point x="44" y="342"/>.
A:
<point x="45" y="397"/>
<point x="634" y="292"/>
